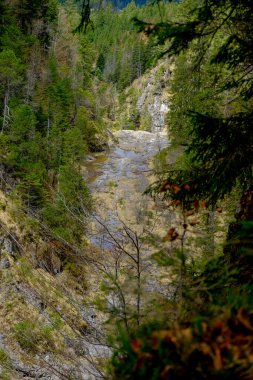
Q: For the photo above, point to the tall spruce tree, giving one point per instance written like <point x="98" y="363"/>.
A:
<point x="211" y="115"/>
<point x="212" y="105"/>
<point x="217" y="40"/>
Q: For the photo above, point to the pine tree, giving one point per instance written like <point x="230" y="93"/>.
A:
<point x="217" y="119"/>
<point x="10" y="69"/>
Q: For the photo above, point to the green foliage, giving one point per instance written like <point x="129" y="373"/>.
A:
<point x="73" y="190"/>
<point x="10" y="67"/>
<point x="4" y="358"/>
<point x="24" y="332"/>
<point x="25" y="154"/>
<point x="124" y="55"/>
<point x="48" y="112"/>
<point x="65" y="211"/>
<point x="32" y="336"/>
<point x="213" y="121"/>
<point x="211" y="115"/>
<point x="210" y="111"/>
<point x="28" y="13"/>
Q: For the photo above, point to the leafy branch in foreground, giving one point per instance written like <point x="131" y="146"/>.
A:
<point x="216" y="38"/>
<point x="221" y="154"/>
<point x="211" y="113"/>
<point x="220" y="349"/>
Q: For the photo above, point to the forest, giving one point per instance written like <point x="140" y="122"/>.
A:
<point x="126" y="190"/>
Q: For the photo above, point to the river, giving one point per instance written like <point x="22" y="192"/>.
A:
<point x="118" y="178"/>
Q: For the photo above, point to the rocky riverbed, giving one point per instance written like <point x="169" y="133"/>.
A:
<point x="118" y="178"/>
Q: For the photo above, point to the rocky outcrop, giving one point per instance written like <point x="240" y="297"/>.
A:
<point x="154" y="98"/>
<point x="147" y="100"/>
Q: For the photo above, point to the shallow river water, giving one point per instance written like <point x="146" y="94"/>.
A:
<point x="118" y="178"/>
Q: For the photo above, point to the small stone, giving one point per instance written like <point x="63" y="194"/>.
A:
<point x="8" y="246"/>
<point x="90" y="158"/>
<point x="5" y="263"/>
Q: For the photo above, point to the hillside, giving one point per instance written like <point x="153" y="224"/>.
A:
<point x="126" y="190"/>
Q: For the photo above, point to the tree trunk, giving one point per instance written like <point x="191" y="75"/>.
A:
<point x="6" y="107"/>
<point x="239" y="249"/>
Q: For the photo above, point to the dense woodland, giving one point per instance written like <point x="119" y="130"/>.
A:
<point x="63" y="82"/>
<point x="211" y="116"/>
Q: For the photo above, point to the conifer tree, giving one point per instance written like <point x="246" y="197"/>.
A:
<point x="10" y="69"/>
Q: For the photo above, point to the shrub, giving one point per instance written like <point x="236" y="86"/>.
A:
<point x="31" y="335"/>
<point x="4" y="358"/>
<point x="220" y="349"/>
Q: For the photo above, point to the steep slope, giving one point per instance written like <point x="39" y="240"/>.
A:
<point x="48" y="327"/>
<point x="144" y="104"/>
<point x="49" y="121"/>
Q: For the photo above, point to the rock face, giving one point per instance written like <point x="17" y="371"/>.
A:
<point x="6" y="252"/>
<point x="5" y="263"/>
<point x="154" y="100"/>
<point x="6" y="245"/>
<point x="147" y="100"/>
<point x="158" y="110"/>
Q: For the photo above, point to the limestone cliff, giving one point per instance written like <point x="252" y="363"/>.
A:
<point x="145" y="103"/>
